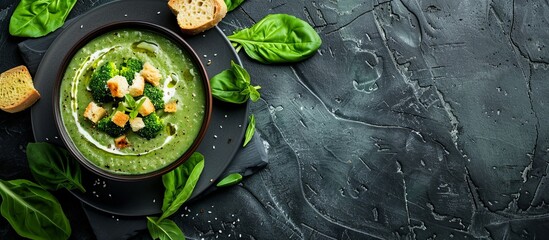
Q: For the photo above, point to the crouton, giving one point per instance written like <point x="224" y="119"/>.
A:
<point x="151" y="74"/>
<point x="146" y="108"/>
<point x="118" y="86"/>
<point x="171" y="106"/>
<point x="137" y="124"/>
<point x="138" y="85"/>
<point x="94" y="112"/>
<point x="120" y="119"/>
<point x="121" y="142"/>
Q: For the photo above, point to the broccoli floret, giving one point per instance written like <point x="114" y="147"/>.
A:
<point x="109" y="127"/>
<point x="98" y="83"/>
<point x="155" y="95"/>
<point x="153" y="126"/>
<point x="129" y="68"/>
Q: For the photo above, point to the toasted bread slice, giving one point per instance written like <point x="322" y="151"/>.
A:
<point x="196" y="16"/>
<point x="16" y="90"/>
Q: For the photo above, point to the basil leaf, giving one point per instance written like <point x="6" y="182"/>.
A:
<point x="53" y="167"/>
<point x="36" y="18"/>
<point x="233" y="85"/>
<point x="225" y="89"/>
<point x="133" y="114"/>
<point x="175" y="180"/>
<point x="130" y="101"/>
<point x="182" y="194"/>
<point x="32" y="211"/>
<point x="121" y="108"/>
<point x="231" y="179"/>
<point x="135" y="110"/>
<point x="232" y="4"/>
<point x="278" y="38"/>
<point x="242" y="76"/>
<point x="165" y="229"/>
<point x="250" y="130"/>
<point x="141" y="101"/>
<point x="254" y="94"/>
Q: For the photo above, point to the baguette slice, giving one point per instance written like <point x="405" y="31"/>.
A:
<point x="16" y="90"/>
<point x="196" y="16"/>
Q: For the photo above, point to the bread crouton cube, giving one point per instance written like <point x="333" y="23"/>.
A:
<point x="171" y="106"/>
<point x="120" y="119"/>
<point x="118" y="86"/>
<point x="121" y="142"/>
<point x="146" y="108"/>
<point x="137" y="124"/>
<point x="94" y="112"/>
<point x="138" y="85"/>
<point x="151" y="74"/>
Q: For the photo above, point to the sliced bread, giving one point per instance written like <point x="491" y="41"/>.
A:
<point x="17" y="92"/>
<point x="196" y="16"/>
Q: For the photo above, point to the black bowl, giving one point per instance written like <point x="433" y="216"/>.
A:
<point x="140" y="26"/>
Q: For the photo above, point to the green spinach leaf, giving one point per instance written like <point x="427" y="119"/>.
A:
<point x="36" y="18"/>
<point x="231" y="179"/>
<point x="250" y="130"/>
<point x="53" y="167"/>
<point x="174" y="181"/>
<point x="32" y="211"/>
<point x="278" y="38"/>
<point x="232" y="4"/>
<point x="165" y="229"/>
<point x="180" y="195"/>
<point x="233" y="85"/>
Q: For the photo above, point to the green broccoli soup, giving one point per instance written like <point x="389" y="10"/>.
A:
<point x="132" y="101"/>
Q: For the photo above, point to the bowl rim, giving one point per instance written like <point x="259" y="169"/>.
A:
<point x="140" y="25"/>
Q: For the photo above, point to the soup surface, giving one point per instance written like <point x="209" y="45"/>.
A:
<point x="181" y="82"/>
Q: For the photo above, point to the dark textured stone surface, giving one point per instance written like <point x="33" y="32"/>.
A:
<point x="416" y="119"/>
